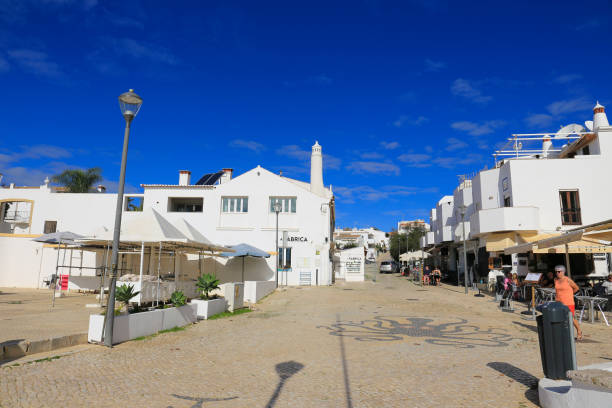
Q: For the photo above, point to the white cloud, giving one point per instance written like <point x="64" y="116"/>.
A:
<point x="434" y="66"/>
<point x="539" y="120"/>
<point x="296" y="152"/>
<point x="35" y="62"/>
<point x="365" y="167"/>
<point x="407" y="120"/>
<point x="143" y="50"/>
<point x="569" y="106"/>
<point x="4" y="65"/>
<point x="390" y="145"/>
<point x="351" y="195"/>
<point x="478" y="129"/>
<point x="248" y="144"/>
<point x="371" y="155"/>
<point x="588" y="25"/>
<point x="452" y="162"/>
<point x="34" y="152"/>
<point x="567" y="78"/>
<point x="452" y="143"/>
<point x="466" y="89"/>
<point x="415" y="159"/>
<point x="322" y="79"/>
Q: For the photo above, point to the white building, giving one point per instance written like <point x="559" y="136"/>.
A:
<point x="225" y="210"/>
<point x="368" y="238"/>
<point x="404" y="227"/>
<point x="531" y="193"/>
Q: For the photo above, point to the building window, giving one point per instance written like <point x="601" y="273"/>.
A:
<point x="15" y="216"/>
<point x="284" y="258"/>
<point x="288" y="204"/>
<point x="185" y="204"/>
<point x="235" y="204"/>
<point x="50" y="227"/>
<point x="570" y="207"/>
<point x="507" y="202"/>
<point x="134" y="203"/>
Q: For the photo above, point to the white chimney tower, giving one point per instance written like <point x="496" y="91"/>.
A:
<point x="316" y="170"/>
<point x="184" y="177"/>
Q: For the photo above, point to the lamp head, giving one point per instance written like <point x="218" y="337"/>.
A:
<point x="129" y="103"/>
<point x="277" y="206"/>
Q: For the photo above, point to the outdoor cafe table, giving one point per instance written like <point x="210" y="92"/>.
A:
<point x="592" y="300"/>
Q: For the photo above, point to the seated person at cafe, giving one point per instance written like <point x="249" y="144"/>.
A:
<point x="608" y="284"/>
<point x="547" y="280"/>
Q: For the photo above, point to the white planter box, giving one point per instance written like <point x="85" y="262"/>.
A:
<point x="128" y="327"/>
<point x="178" y="316"/>
<point x="207" y="308"/>
<point x="255" y="290"/>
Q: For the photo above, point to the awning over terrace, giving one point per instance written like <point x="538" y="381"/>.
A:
<point x="593" y="238"/>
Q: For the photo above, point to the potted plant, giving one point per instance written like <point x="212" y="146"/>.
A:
<point x="208" y="305"/>
<point x="124" y="294"/>
<point x="180" y="314"/>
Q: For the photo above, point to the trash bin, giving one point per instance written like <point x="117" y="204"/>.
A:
<point x="556" y="335"/>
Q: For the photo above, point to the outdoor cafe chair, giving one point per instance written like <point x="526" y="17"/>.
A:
<point x="597" y="302"/>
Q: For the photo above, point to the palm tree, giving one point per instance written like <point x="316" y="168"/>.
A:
<point x="77" y="180"/>
<point x="206" y="284"/>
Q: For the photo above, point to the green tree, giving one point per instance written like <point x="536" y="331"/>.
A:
<point x="77" y="180"/>
<point x="206" y="284"/>
<point x="400" y="243"/>
<point x="124" y="294"/>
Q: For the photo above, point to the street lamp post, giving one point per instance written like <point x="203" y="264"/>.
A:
<point x="277" y="209"/>
<point x="130" y="104"/>
<point x="465" y="271"/>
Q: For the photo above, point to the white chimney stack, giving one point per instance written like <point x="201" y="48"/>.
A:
<point x="227" y="175"/>
<point x="546" y="146"/>
<point x="599" y="116"/>
<point x="316" y="170"/>
<point x="184" y="177"/>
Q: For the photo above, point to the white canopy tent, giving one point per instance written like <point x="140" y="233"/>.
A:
<point x="151" y="229"/>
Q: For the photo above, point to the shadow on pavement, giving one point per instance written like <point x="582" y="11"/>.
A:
<point x="347" y="384"/>
<point x="527" y="326"/>
<point x="200" y="401"/>
<point x="520" y="376"/>
<point x="285" y="371"/>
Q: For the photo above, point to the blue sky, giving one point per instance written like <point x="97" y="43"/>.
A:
<point x="402" y="95"/>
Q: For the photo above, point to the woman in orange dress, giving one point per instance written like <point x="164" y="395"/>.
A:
<point x="565" y="289"/>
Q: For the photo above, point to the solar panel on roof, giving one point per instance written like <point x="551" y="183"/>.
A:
<point x="209" y="179"/>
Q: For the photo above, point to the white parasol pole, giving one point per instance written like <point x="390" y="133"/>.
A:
<point x="141" y="268"/>
<point x="56" y="273"/>
<point x="158" y="267"/>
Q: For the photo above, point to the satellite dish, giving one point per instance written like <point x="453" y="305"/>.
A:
<point x="572" y="129"/>
<point x="589" y="125"/>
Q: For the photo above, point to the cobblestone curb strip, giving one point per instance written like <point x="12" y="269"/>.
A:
<point x="10" y="350"/>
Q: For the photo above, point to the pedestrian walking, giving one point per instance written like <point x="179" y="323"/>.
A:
<point x="565" y="289"/>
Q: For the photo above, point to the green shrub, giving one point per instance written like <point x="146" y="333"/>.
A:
<point x="206" y="284"/>
<point x="124" y="294"/>
<point x="178" y="299"/>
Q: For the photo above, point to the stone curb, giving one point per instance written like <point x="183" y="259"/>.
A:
<point x="20" y="348"/>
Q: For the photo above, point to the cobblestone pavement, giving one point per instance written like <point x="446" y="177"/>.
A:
<point x="387" y="343"/>
<point x="25" y="314"/>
